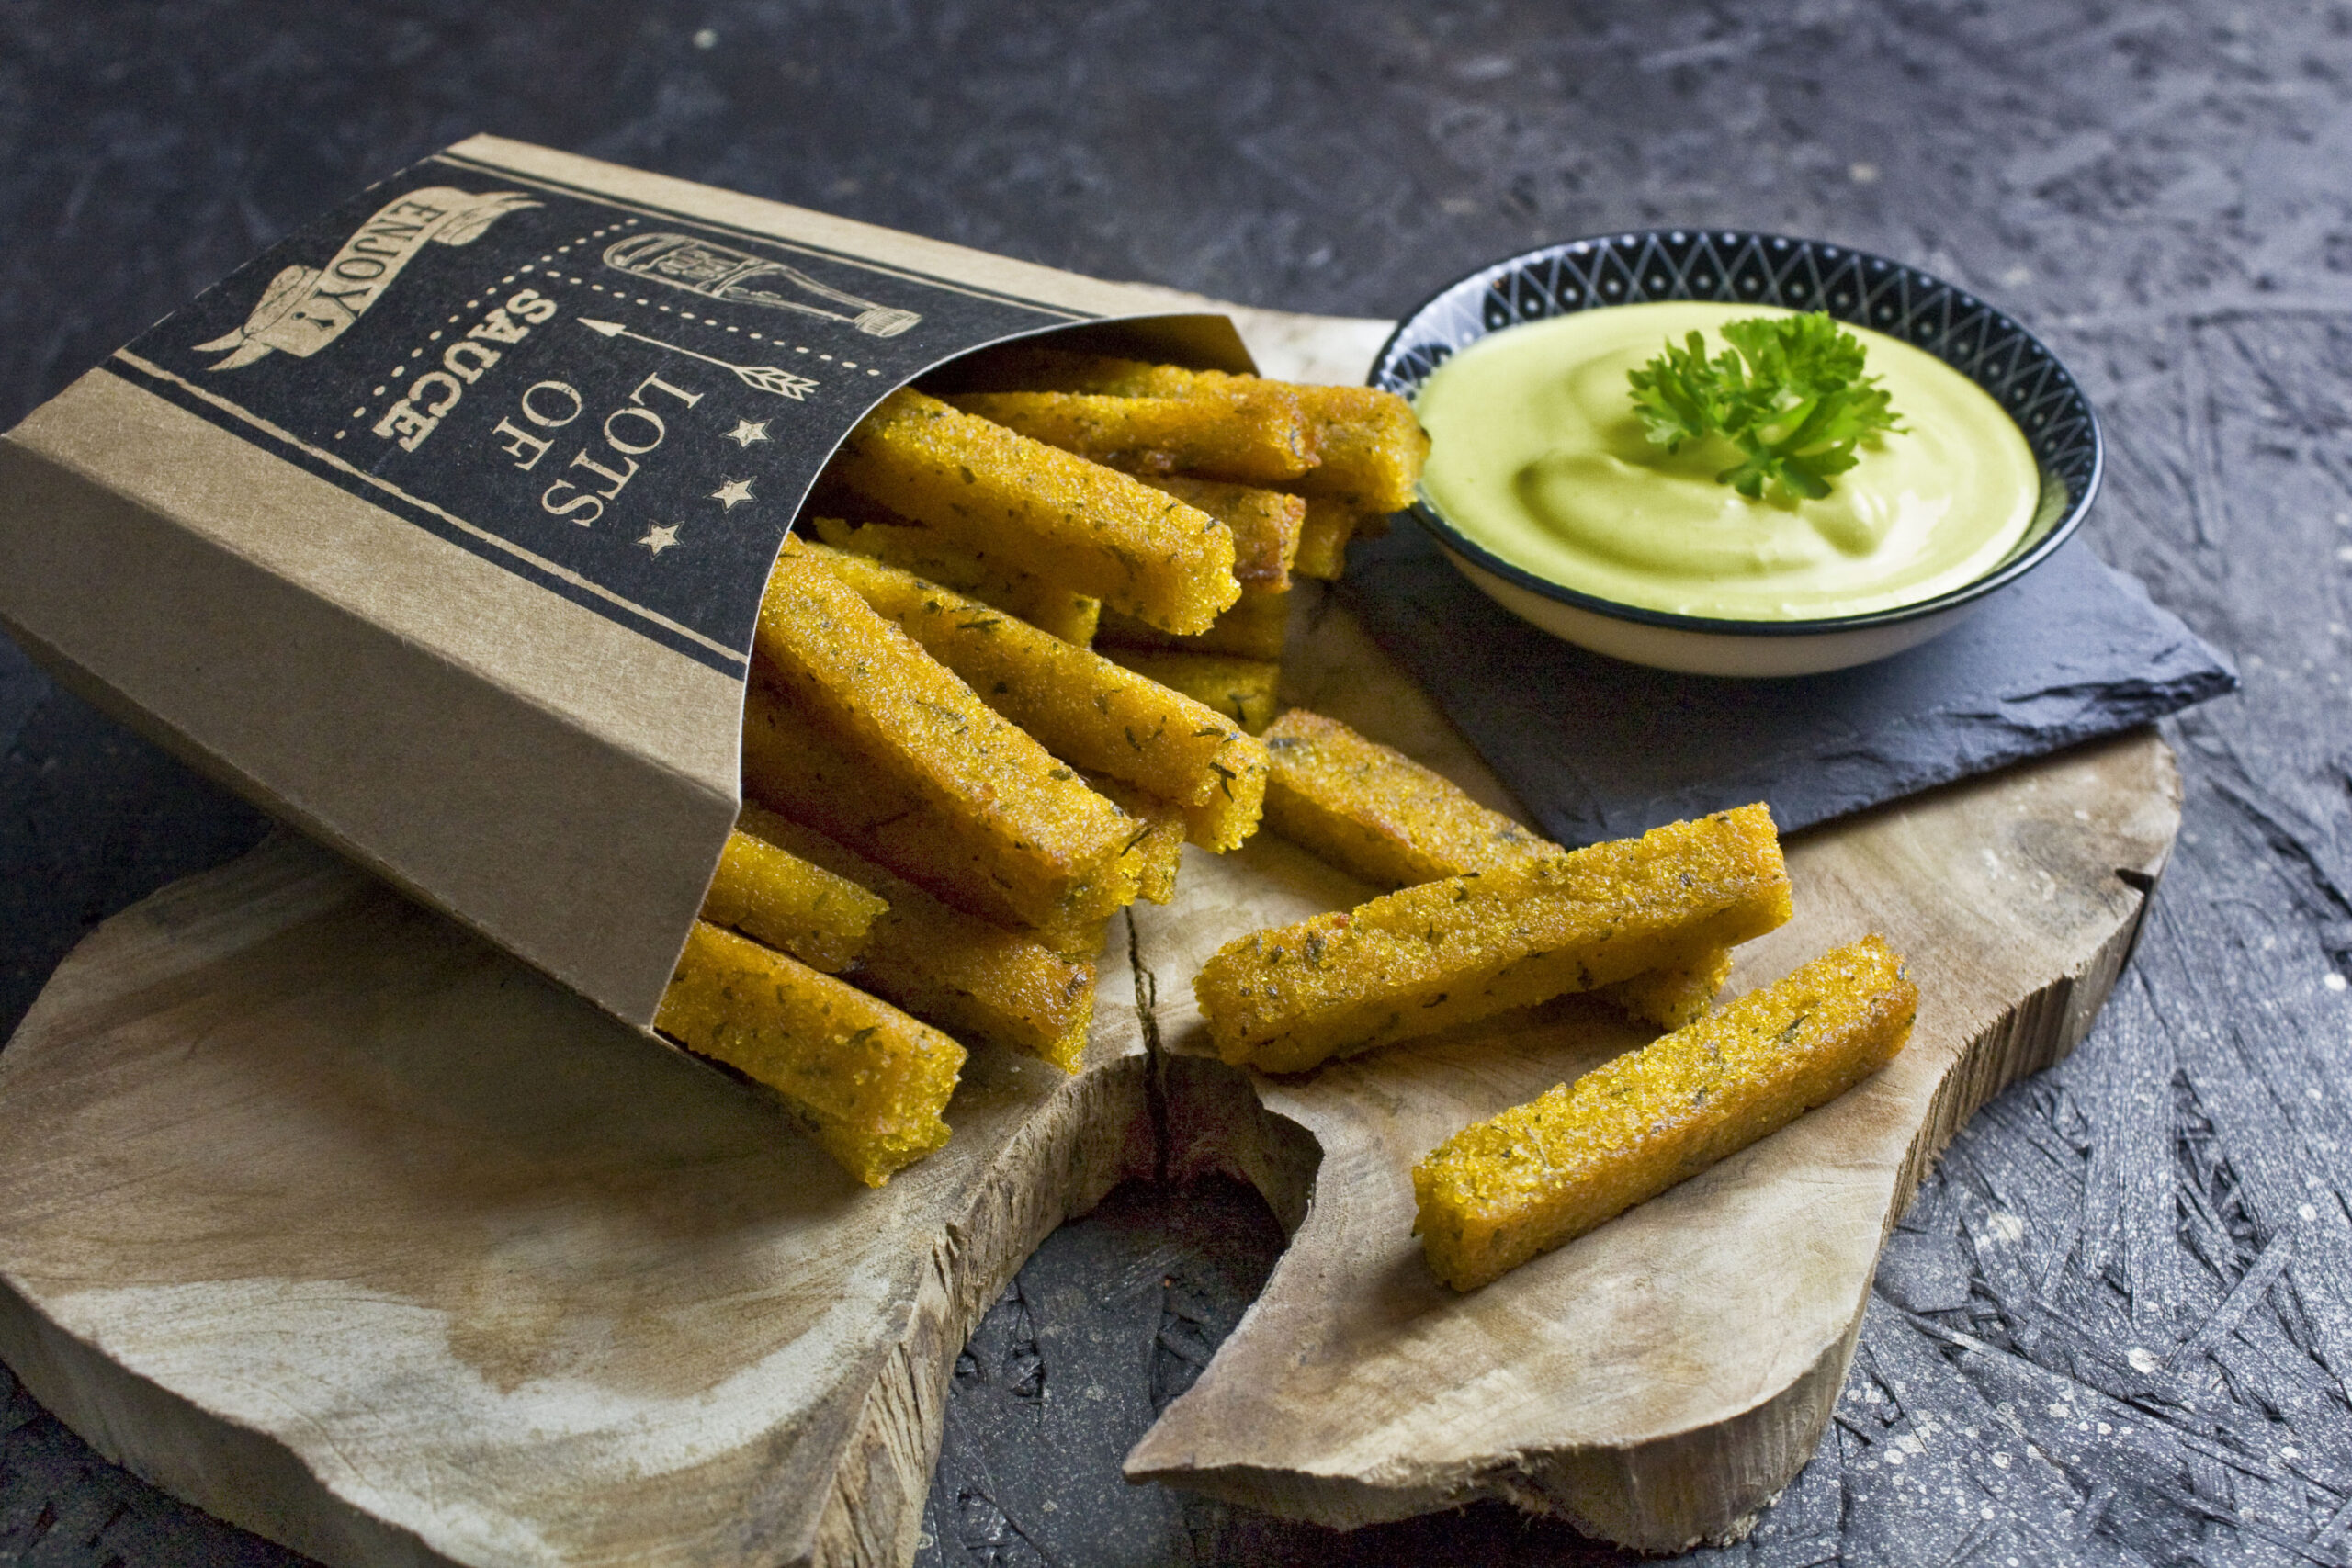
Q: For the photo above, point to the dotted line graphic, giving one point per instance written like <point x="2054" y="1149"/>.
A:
<point x="545" y="270"/>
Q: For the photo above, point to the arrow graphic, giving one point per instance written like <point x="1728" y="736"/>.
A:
<point x="764" y="377"/>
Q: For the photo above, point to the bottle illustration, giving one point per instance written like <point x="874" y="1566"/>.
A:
<point x="719" y="272"/>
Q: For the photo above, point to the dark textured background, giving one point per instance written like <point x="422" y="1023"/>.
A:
<point x="2117" y="1325"/>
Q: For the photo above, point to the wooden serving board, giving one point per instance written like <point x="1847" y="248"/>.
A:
<point x="1659" y="1380"/>
<point x="324" y="1215"/>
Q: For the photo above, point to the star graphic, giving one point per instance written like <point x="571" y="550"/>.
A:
<point x="659" y="537"/>
<point x="733" y="491"/>
<point x="746" y="432"/>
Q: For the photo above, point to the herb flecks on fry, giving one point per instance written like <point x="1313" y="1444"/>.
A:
<point x="771" y="894"/>
<point x="1372" y="811"/>
<point x="1502" y="1191"/>
<point x="1256" y="627"/>
<point x="1452" y="952"/>
<point x="984" y="983"/>
<point x="1265" y="525"/>
<point x="1265" y="439"/>
<point x="1674" y="995"/>
<point x="928" y="553"/>
<point x="1375" y="812"/>
<point x="870" y="1083"/>
<point x="794" y="765"/>
<point x="1239" y="689"/>
<point x="1017" y="819"/>
<point x="1370" y="445"/>
<point x="1076" y="523"/>
<point x="1085" y="709"/>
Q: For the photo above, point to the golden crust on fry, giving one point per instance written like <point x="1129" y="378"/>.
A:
<point x="981" y="982"/>
<point x="869" y="1082"/>
<point x="1256" y="627"/>
<point x="1158" y="844"/>
<point x="1502" y="1191"/>
<point x="1023" y="817"/>
<point x="1676" y="994"/>
<point x="1371" y="446"/>
<point x="794" y="906"/>
<point x="1323" y="538"/>
<point x="1084" y="709"/>
<point x="796" y="766"/>
<point x="930" y="554"/>
<point x="1249" y="434"/>
<point x="1265" y="525"/>
<point x="1376" y="813"/>
<point x="1090" y="528"/>
<point x="1372" y="811"/>
<point x="1239" y="689"/>
<point x="1448" y="952"/>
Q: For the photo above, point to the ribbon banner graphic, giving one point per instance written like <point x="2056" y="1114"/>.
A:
<point x="621" y="402"/>
<point x="306" y="308"/>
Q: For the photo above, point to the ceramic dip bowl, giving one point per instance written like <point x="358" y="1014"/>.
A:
<point x="1734" y="266"/>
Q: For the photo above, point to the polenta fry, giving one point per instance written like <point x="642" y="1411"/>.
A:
<point x="1256" y="627"/>
<point x="1265" y="525"/>
<point x="1084" y="709"/>
<point x="1674" y="995"/>
<point x="1023" y="818"/>
<point x="1370" y="445"/>
<point x="1323" y="537"/>
<point x="1158" y="844"/>
<point x="1448" y="952"/>
<point x="794" y="906"/>
<point x="869" y="1082"/>
<point x="928" y="553"/>
<point x="1261" y="437"/>
<point x="796" y="766"/>
<point x="1375" y="812"/>
<point x="981" y="982"/>
<point x="1502" y="1191"/>
<point x="1091" y="528"/>
<point x="1239" y="689"/>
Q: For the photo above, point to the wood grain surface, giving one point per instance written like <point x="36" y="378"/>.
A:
<point x="1656" y="1381"/>
<point x="2111" y="1327"/>
<point x="353" y="1230"/>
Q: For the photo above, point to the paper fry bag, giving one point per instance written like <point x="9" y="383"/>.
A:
<point x="439" y="530"/>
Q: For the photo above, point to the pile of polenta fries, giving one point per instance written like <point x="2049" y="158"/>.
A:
<point x="952" y="792"/>
<point x="1489" y="917"/>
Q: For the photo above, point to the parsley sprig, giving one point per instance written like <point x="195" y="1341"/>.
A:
<point x="1790" y="393"/>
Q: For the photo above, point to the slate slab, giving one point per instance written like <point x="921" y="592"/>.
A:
<point x="1598" y="748"/>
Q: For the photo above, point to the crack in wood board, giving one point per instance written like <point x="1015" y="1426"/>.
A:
<point x="1626" y="1382"/>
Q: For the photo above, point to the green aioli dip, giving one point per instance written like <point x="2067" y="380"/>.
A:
<point x="1537" y="455"/>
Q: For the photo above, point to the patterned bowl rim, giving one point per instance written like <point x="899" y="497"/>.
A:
<point x="2039" y="547"/>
